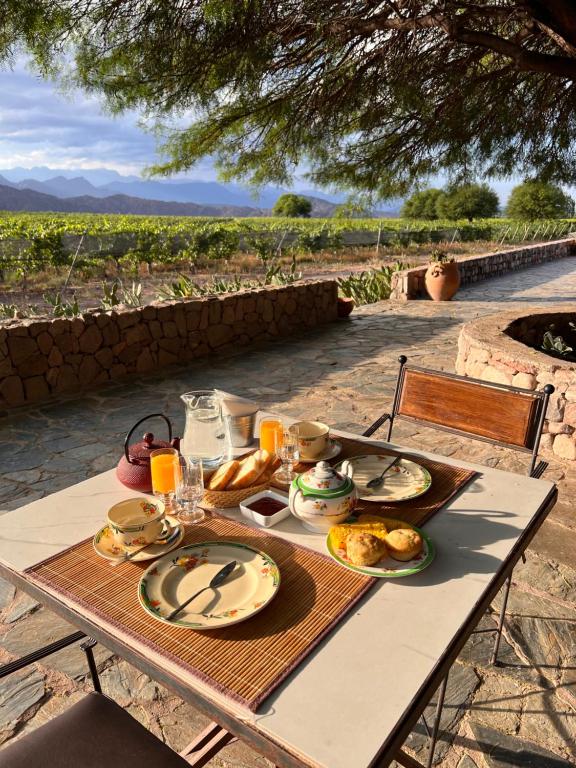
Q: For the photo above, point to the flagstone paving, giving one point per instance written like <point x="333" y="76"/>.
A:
<point x="522" y="713"/>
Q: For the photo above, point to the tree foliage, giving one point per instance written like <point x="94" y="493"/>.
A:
<point x="372" y="96"/>
<point x="468" y="201"/>
<point x="292" y="205"/>
<point x="422" y="205"/>
<point x="538" y="200"/>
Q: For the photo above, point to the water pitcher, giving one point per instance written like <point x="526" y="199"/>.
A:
<point x="204" y="433"/>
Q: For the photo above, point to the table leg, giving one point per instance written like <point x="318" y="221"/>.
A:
<point x="439" y="707"/>
<point x="494" y="657"/>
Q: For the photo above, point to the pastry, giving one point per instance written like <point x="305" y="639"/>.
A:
<point x="364" y="548"/>
<point x="223" y="475"/>
<point x="390" y="523"/>
<point x="339" y="533"/>
<point x="250" y="470"/>
<point x="403" y="544"/>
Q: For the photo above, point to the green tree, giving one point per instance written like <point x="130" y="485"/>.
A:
<point x="538" y="200"/>
<point x="370" y="96"/>
<point x="422" y="205"/>
<point x="351" y="209"/>
<point x="292" y="205"/>
<point x="468" y="201"/>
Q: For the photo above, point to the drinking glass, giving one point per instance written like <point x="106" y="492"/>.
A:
<point x="288" y="451"/>
<point x="163" y="462"/>
<point x="189" y="481"/>
<point x="269" y="428"/>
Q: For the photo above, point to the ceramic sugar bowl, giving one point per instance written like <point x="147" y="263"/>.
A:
<point x="322" y="497"/>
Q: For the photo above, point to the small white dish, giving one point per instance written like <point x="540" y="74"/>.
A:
<point x="266" y="521"/>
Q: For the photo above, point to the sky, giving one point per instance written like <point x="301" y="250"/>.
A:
<point x="39" y="125"/>
<point x="42" y="126"/>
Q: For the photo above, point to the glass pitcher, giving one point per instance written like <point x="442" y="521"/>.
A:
<point x="204" y="433"/>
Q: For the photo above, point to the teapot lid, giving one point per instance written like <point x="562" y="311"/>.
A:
<point x="142" y="449"/>
<point x="323" y="480"/>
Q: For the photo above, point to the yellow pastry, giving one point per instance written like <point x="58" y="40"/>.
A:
<point x="339" y="533"/>
<point x="404" y="544"/>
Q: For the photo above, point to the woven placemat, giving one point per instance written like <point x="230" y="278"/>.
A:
<point x="245" y="662"/>
<point x="447" y="481"/>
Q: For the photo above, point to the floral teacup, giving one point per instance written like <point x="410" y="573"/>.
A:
<point x="313" y="438"/>
<point x="136" y="522"/>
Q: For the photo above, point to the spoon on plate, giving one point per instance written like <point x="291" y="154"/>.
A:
<point x="218" y="579"/>
<point x="376" y="482"/>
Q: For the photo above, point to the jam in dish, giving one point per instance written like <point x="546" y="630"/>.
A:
<point x="266" y="506"/>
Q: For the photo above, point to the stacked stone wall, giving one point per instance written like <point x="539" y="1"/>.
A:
<point x="40" y="359"/>
<point x="489" y="349"/>
<point x="409" y="284"/>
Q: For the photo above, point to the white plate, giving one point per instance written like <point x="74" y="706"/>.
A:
<point x="175" y="577"/>
<point x="333" y="450"/>
<point x="405" y="480"/>
<point x="105" y="545"/>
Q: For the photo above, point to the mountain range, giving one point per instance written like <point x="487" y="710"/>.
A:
<point x="105" y="191"/>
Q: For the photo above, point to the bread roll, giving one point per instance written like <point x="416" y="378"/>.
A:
<point x="251" y="468"/>
<point x="223" y="475"/>
<point x="364" y="549"/>
<point x="403" y="544"/>
<point x="340" y="533"/>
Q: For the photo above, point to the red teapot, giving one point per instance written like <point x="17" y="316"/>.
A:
<point x="133" y="469"/>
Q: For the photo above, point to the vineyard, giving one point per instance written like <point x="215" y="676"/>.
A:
<point x="33" y="242"/>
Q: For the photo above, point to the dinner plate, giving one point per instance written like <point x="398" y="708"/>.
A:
<point x="388" y="568"/>
<point x="405" y="480"/>
<point x="175" y="577"/>
<point x="105" y="544"/>
<point x="333" y="450"/>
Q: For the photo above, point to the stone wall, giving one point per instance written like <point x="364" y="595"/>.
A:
<point x="43" y="358"/>
<point x="488" y="351"/>
<point x="409" y="284"/>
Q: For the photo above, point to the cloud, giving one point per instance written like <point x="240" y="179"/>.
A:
<point x="39" y="125"/>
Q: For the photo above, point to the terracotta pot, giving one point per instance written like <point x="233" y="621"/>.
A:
<point x="345" y="306"/>
<point x="442" y="280"/>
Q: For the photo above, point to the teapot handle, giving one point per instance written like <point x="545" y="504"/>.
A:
<point x="129" y="435"/>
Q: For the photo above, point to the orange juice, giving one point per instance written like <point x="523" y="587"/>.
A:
<point x="163" y="468"/>
<point x="268" y="430"/>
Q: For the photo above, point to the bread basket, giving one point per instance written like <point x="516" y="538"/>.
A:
<point x="227" y="499"/>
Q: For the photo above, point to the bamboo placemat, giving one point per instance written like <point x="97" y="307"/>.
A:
<point x="447" y="481"/>
<point x="245" y="662"/>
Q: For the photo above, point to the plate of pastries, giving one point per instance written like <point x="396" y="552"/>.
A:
<point x="380" y="546"/>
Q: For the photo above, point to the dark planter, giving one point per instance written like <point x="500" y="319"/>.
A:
<point x="345" y="306"/>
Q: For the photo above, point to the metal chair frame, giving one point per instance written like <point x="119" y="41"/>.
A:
<point x="198" y="753"/>
<point x="534" y="470"/>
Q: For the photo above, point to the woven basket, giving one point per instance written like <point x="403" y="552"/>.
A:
<point x="227" y="499"/>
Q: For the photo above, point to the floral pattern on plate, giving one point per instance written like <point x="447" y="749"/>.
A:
<point x="171" y="580"/>
<point x="105" y="544"/>
<point x="406" y="480"/>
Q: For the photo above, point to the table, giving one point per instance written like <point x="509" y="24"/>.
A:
<point x="375" y="673"/>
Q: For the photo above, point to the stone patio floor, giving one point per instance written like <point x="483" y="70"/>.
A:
<point x="520" y="714"/>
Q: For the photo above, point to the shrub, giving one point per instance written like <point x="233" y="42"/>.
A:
<point x="371" y="285"/>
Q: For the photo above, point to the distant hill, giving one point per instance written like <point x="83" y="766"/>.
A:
<point x="13" y="199"/>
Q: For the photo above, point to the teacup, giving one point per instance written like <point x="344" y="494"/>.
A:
<point x="136" y="522"/>
<point x="313" y="438"/>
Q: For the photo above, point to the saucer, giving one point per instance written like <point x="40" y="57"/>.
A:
<point x="106" y="547"/>
<point x="333" y="450"/>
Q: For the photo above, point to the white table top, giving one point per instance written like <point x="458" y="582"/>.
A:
<point x="344" y="700"/>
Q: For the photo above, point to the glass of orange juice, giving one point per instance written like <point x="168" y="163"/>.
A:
<point x="163" y="464"/>
<point x="269" y="428"/>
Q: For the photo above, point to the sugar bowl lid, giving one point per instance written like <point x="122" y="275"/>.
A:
<point x="323" y="480"/>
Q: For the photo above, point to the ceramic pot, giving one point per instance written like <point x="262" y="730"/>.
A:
<point x="345" y="306"/>
<point x="442" y="280"/>
<point x="322" y="497"/>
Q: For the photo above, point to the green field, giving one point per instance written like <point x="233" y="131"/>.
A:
<point x="31" y="242"/>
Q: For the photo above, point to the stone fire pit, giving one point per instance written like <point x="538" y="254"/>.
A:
<point x="496" y="348"/>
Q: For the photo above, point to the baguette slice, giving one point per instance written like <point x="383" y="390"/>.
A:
<point x="223" y="475"/>
<point x="250" y="470"/>
<point x="273" y="465"/>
